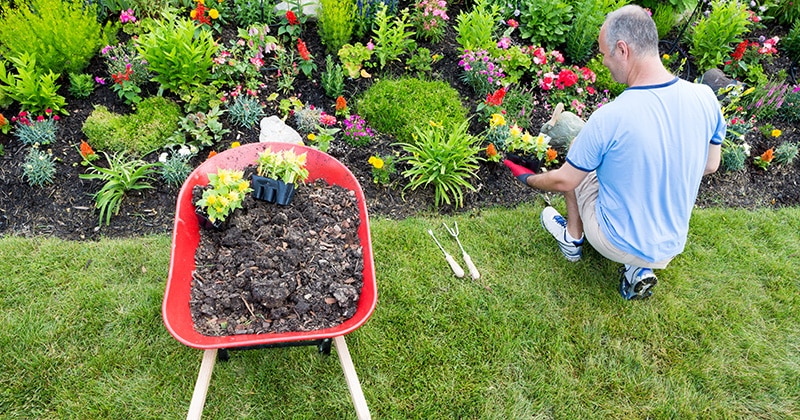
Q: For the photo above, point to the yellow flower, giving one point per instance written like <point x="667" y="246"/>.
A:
<point x="515" y="130"/>
<point x="211" y="200"/>
<point x="193" y="13"/>
<point x="434" y="123"/>
<point x="224" y="177"/>
<point x="233" y="196"/>
<point x="243" y="186"/>
<point x="497" y="120"/>
<point x="203" y="2"/>
<point x="312" y="136"/>
<point x="376" y="162"/>
<point x="665" y="57"/>
<point x="748" y="91"/>
<point x="235" y="144"/>
<point x="540" y="140"/>
<point x="224" y="201"/>
<point x="527" y="138"/>
<point x="776" y="133"/>
<point x="213" y="13"/>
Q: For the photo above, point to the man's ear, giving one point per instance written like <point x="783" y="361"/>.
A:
<point x="622" y="48"/>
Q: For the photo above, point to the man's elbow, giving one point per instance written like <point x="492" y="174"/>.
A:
<point x="711" y="168"/>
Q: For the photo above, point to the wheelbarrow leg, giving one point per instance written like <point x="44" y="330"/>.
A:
<point x="362" y="411"/>
<point x="201" y="386"/>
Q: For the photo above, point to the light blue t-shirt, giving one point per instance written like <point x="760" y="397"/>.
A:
<point x="649" y="148"/>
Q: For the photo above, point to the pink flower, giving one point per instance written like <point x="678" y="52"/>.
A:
<point x="370" y="46"/>
<point x="539" y="56"/>
<point x="512" y="23"/>
<point x="327" y="119"/>
<point x="127" y="16"/>
<point x="100" y="80"/>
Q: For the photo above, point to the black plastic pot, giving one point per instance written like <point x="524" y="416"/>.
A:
<point x="529" y="162"/>
<point x="205" y="222"/>
<point x="271" y="190"/>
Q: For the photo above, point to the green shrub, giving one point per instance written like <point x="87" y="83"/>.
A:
<point x="249" y="12"/>
<point x="444" y="158"/>
<point x="733" y="157"/>
<point x="180" y="56"/>
<point x="665" y="18"/>
<point x="392" y="36"/>
<point x="332" y="79"/>
<point x="545" y="22"/>
<point x="582" y="35"/>
<point x="245" y="111"/>
<point x="81" y="85"/>
<point x="64" y="35"/>
<point x="39" y="168"/>
<point x="786" y="153"/>
<point x="335" y="23"/>
<point x="790" y="110"/>
<point x="34" y="90"/>
<point x="785" y="12"/>
<point x="397" y="106"/>
<point x="175" y="167"/>
<point x="712" y="36"/>
<point x="142" y="132"/>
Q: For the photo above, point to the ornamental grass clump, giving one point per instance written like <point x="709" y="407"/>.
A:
<point x="444" y="158"/>
<point x="226" y="191"/>
<point x="786" y="153"/>
<point x="39" y="168"/>
<point x="121" y="176"/>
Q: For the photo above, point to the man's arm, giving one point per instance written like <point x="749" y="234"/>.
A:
<point x="565" y="178"/>
<point x="712" y="163"/>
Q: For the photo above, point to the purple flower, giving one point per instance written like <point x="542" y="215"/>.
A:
<point x="100" y="80"/>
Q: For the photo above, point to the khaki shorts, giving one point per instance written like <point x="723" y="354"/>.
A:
<point x="587" y="198"/>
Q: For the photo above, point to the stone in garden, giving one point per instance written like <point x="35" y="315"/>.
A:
<point x="309" y="8"/>
<point x="274" y="129"/>
<point x="562" y="127"/>
<point x="717" y="79"/>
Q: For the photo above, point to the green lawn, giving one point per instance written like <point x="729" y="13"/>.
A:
<point x="82" y="336"/>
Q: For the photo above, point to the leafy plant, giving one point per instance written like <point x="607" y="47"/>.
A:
<point x="40" y="130"/>
<point x="603" y="80"/>
<point x="397" y="106"/>
<point x="34" y="90"/>
<point x="766" y="99"/>
<point x="243" y="59"/>
<point x="665" y="18"/>
<point x="81" y="85"/>
<point x="128" y="70"/>
<point x="382" y="169"/>
<point x="546" y="22"/>
<point x="63" y="35"/>
<point x="307" y="64"/>
<point x="199" y="129"/>
<point x="245" y="111"/>
<point x="790" y="44"/>
<point x="786" y="12"/>
<point x="421" y="60"/>
<point x="290" y="24"/>
<point x="225" y="194"/>
<point x="285" y="165"/>
<point x="444" y="158"/>
<point x="711" y="37"/>
<point x="251" y="12"/>
<point x="335" y="23"/>
<point x="287" y="69"/>
<point x="179" y="56"/>
<point x="481" y="71"/>
<point x="39" y="168"/>
<point x="119" y="178"/>
<point x="332" y="79"/>
<point x="307" y="118"/>
<point x="582" y="34"/>
<point x="733" y="156"/>
<point x="786" y="153"/>
<point x="365" y="14"/>
<point x="476" y="28"/>
<point x="790" y="111"/>
<point x="353" y="58"/>
<point x="392" y="36"/>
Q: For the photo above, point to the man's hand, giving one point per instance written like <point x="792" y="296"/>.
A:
<point x="522" y="173"/>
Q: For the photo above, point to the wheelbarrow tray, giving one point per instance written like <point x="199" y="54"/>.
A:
<point x="186" y="236"/>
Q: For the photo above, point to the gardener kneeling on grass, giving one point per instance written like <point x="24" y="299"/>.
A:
<point x="632" y="174"/>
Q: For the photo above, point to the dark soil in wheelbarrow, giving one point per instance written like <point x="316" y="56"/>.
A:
<point x="277" y="269"/>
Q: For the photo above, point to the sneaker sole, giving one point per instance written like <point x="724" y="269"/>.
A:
<point x="643" y="289"/>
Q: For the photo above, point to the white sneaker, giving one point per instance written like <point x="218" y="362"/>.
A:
<point x="556" y="224"/>
<point x="636" y="282"/>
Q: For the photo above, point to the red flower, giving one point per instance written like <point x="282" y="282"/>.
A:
<point x="566" y="78"/>
<point x="740" y="49"/>
<point x="512" y="23"/>
<point x="291" y="17"/>
<point x="496" y="98"/>
<point x="301" y="48"/>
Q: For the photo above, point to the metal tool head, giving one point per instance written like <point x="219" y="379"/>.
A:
<point x="453" y="232"/>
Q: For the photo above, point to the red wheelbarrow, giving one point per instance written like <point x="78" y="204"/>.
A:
<point x="185" y="238"/>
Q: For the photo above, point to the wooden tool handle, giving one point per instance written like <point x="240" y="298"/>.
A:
<point x="473" y="271"/>
<point x="457" y="270"/>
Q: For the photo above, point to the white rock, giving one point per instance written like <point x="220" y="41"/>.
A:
<point x="274" y="129"/>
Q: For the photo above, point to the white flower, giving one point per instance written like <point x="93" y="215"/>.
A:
<point x="184" y="151"/>
<point x="162" y="157"/>
<point x="746" y="148"/>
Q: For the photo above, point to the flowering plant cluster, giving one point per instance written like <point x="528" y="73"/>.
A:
<point x="569" y="85"/>
<point x="746" y="59"/>
<point x="493" y="103"/>
<point x="356" y="131"/>
<point x="382" y="169"/>
<point x="40" y="130"/>
<point x="87" y="153"/>
<point x="244" y="58"/>
<point x="228" y="189"/>
<point x="307" y="65"/>
<point x="290" y="25"/>
<point x="211" y="17"/>
<point x="481" y="71"/>
<point x="128" y="71"/>
<point x="429" y="19"/>
<point x="765" y="159"/>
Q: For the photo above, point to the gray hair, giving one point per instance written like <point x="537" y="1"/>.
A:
<point x="635" y="27"/>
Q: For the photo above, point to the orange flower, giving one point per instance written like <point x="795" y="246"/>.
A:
<point x="550" y="154"/>
<point x="4" y="121"/>
<point x="768" y="155"/>
<point x="86" y="150"/>
<point x="341" y="104"/>
<point x="491" y="151"/>
<point x="211" y="154"/>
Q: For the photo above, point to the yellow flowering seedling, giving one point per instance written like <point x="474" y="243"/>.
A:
<point x="285" y="165"/>
<point x="228" y="189"/>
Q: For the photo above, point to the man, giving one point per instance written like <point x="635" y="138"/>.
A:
<point x="632" y="174"/>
